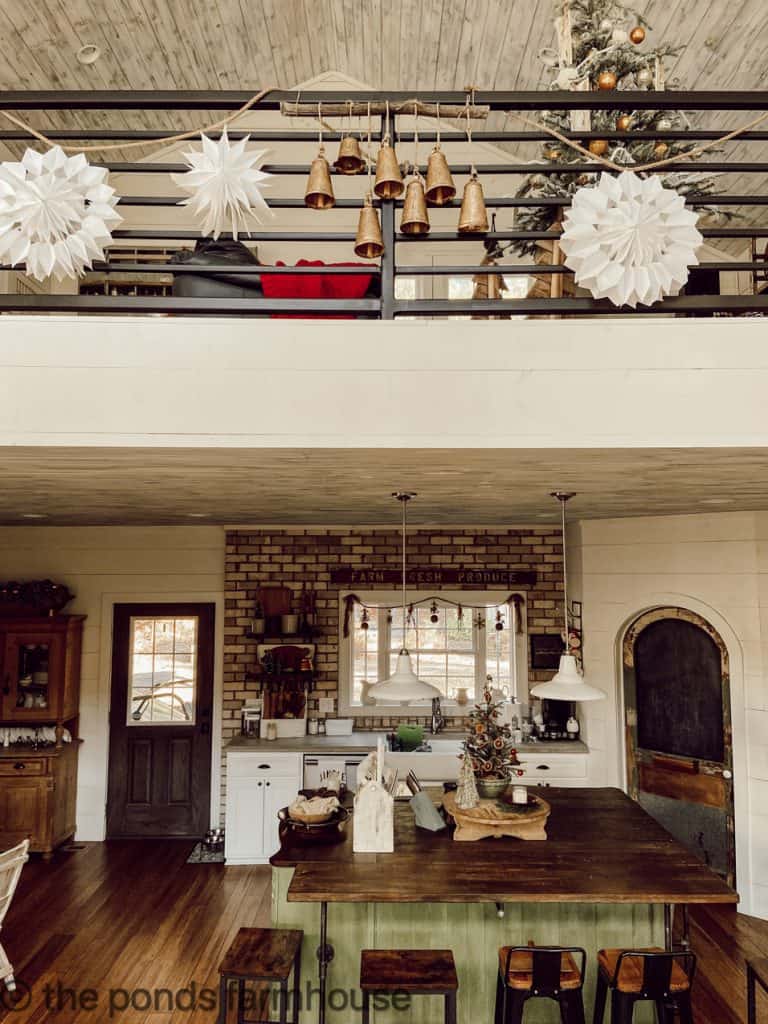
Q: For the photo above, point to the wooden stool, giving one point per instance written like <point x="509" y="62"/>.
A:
<point x="645" y="974"/>
<point x="757" y="974"/>
<point x="416" y="971"/>
<point x="262" y="954"/>
<point x="533" y="972"/>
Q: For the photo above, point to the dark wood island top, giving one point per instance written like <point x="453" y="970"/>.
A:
<point x="602" y="848"/>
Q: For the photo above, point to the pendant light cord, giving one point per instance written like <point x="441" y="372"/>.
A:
<point x="565" y="573"/>
<point x="405" y="521"/>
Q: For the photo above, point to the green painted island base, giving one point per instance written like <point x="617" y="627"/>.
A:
<point x="473" y="931"/>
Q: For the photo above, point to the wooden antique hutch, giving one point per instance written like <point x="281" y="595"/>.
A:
<point x="39" y="707"/>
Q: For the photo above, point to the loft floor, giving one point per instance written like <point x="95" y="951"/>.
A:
<point x="126" y="916"/>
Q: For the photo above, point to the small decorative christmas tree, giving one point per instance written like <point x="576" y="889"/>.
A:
<point x="489" y="743"/>
<point x="466" y="791"/>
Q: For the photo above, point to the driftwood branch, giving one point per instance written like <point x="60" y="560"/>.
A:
<point x="380" y="107"/>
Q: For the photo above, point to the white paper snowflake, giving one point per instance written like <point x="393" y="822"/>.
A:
<point x="630" y="240"/>
<point x="56" y="213"/>
<point x="224" y="185"/>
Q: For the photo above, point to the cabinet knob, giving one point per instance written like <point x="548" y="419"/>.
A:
<point x="19" y="766"/>
<point x="266" y="783"/>
<point x="258" y="783"/>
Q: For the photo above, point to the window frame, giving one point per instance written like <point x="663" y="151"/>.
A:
<point x="488" y="598"/>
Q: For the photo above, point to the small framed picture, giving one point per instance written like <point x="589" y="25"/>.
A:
<point x="546" y="649"/>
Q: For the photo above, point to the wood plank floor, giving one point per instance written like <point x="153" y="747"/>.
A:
<point x="117" y="922"/>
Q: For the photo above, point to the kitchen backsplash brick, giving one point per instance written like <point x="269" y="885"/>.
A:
<point x="295" y="556"/>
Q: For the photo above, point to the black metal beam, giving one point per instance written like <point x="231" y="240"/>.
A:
<point x="179" y="305"/>
<point x="215" y="100"/>
<point x="694" y="304"/>
<point x="286" y="170"/>
<point x="153" y="135"/>
<point x="225" y="270"/>
<point x="496" y="201"/>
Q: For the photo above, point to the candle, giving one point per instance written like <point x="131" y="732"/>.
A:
<point x="519" y="795"/>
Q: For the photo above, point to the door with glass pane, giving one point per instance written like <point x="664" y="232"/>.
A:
<point x="160" y="720"/>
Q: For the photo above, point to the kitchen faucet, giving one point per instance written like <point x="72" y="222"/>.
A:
<point x="438" y="722"/>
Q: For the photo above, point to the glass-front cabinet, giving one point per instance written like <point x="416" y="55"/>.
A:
<point x="36" y="673"/>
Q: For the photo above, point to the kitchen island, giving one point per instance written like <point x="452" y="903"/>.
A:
<point x="607" y="875"/>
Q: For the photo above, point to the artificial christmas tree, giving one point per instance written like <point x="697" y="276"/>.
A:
<point x="489" y="747"/>
<point x="600" y="46"/>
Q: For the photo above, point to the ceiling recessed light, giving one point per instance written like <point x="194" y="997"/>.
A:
<point x="716" y="501"/>
<point x="34" y="515"/>
<point x="88" y="54"/>
<point x="198" y="515"/>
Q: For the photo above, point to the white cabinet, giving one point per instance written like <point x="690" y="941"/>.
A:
<point x="553" y="769"/>
<point x="258" y="785"/>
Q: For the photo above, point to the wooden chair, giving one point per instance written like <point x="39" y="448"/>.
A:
<point x="540" y="972"/>
<point x="11" y="863"/>
<point x="664" y="978"/>
<point x="262" y="955"/>
<point x="413" y="971"/>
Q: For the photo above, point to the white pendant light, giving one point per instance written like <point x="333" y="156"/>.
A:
<point x="403" y="686"/>
<point x="568" y="683"/>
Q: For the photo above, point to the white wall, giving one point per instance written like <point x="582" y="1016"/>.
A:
<point x="716" y="565"/>
<point x="103" y="566"/>
<point x="535" y="383"/>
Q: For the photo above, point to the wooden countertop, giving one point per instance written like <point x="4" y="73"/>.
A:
<point x="602" y="848"/>
<point x="363" y="742"/>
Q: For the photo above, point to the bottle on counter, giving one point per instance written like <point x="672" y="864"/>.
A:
<point x="271" y="731"/>
<point x="312" y="727"/>
<point x="572" y="728"/>
<point x="321" y="727"/>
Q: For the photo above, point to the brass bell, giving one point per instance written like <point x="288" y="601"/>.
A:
<point x="350" y="159"/>
<point x="473" y="219"/>
<point x="368" y="241"/>
<point x="318" y="194"/>
<point x="415" y="219"/>
<point x="440" y="186"/>
<point x="389" y="180"/>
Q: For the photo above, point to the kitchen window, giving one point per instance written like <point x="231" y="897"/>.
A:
<point x="452" y="646"/>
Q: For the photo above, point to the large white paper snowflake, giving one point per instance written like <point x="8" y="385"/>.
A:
<point x="56" y="213"/>
<point x="224" y="185"/>
<point x="629" y="239"/>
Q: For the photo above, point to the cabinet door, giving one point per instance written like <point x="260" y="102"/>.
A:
<point x="31" y="683"/>
<point x="277" y="793"/>
<point x="24" y="810"/>
<point x="245" y="820"/>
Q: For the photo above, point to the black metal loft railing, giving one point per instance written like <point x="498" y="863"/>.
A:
<point x="395" y="264"/>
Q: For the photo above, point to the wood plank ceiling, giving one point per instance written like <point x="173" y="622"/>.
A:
<point x="77" y="487"/>
<point x="397" y="44"/>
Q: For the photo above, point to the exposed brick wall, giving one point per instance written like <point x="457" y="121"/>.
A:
<point x="293" y="556"/>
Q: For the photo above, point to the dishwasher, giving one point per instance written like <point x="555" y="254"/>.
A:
<point x="315" y="766"/>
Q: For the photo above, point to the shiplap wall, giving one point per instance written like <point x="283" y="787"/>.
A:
<point x="716" y="565"/>
<point x="101" y="566"/>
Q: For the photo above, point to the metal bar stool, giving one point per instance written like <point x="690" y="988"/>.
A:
<point x="540" y="972"/>
<point x="262" y="955"/>
<point x="633" y="975"/>
<point x="757" y="974"/>
<point x="414" y="971"/>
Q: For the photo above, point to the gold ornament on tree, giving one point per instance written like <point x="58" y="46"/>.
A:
<point x="624" y="123"/>
<point x="660" y="150"/>
<point x="637" y="35"/>
<point x="606" y="80"/>
<point x="598" y="147"/>
<point x="318" y="194"/>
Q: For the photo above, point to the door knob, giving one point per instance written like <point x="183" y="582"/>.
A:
<point x="727" y="774"/>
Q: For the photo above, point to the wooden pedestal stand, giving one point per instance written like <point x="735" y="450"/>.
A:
<point x="488" y="820"/>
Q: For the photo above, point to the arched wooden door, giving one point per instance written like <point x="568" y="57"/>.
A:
<point x="678" y="731"/>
